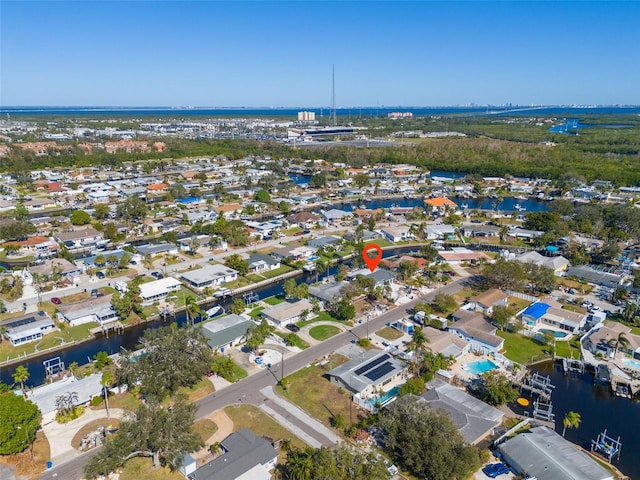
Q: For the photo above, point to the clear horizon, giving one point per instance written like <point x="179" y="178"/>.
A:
<point x="193" y="53"/>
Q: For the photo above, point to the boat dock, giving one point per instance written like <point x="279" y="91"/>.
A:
<point x="116" y="326"/>
<point x="570" y="365"/>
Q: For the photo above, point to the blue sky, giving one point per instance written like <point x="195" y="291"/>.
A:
<point x="262" y="53"/>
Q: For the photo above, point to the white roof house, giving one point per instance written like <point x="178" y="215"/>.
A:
<point x="157" y="290"/>
<point x="287" y="312"/>
<point x="210" y="275"/>
<point x="28" y="328"/>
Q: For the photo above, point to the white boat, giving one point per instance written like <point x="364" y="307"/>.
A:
<point x="517" y="206"/>
<point x="214" y="311"/>
<point x="464" y="206"/>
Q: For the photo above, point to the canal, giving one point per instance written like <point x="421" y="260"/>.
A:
<point x="83" y="353"/>
<point x="599" y="409"/>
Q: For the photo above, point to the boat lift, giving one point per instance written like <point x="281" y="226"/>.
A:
<point x="606" y="446"/>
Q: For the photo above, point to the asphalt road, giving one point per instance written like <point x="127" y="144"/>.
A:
<point x="247" y="390"/>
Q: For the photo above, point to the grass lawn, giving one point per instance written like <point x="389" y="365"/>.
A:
<point x="521" y="349"/>
<point x="389" y="333"/>
<point x="201" y="389"/>
<point x="205" y="428"/>
<point x="297" y="341"/>
<point x="574" y="308"/>
<point x="322" y="332"/>
<point x="180" y="296"/>
<point x="275" y="300"/>
<point x="309" y="389"/>
<point x="248" y="416"/>
<point x="278" y="271"/>
<point x="464" y="294"/>
<point x="125" y="400"/>
<point x="240" y="282"/>
<point x="322" y="316"/>
<point x="252" y="277"/>
<point x="381" y="242"/>
<point x="255" y="313"/>
<point x="567" y="349"/>
<point x="518" y="304"/>
<point x="138" y="468"/>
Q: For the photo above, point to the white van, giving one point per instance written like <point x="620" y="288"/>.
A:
<point x="121" y="286"/>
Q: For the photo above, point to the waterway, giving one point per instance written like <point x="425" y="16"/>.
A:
<point x="599" y="409"/>
<point x="83" y="353"/>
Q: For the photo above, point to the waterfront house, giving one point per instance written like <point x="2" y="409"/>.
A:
<point x="369" y="373"/>
<point x="158" y="290"/>
<point x="591" y="275"/>
<point x="185" y="244"/>
<point x="56" y="266"/>
<point x="293" y="252"/>
<point x="476" y="330"/>
<point x="328" y="241"/>
<point x="480" y="231"/>
<point x="156" y="249"/>
<point x="287" y="313"/>
<point x="259" y="263"/>
<point x="397" y="234"/>
<point x="227" y="331"/>
<point x="447" y="343"/>
<point x="84" y="238"/>
<point x="45" y="396"/>
<point x="95" y="309"/>
<point x="38" y="246"/>
<point x="334" y="215"/>
<point x="209" y="275"/>
<point x="523" y="234"/>
<point x="327" y="292"/>
<point x="440" y="232"/>
<point x="381" y="276"/>
<point x="28" y="328"/>
<point x="440" y="206"/>
<point x="603" y="339"/>
<point x="543" y="454"/>
<point x="474" y="419"/>
<point x="303" y="219"/>
<point x="459" y="255"/>
<point x="229" y="210"/>
<point x="244" y="456"/>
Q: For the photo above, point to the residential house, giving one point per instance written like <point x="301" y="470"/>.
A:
<point x="303" y="219"/>
<point x="38" y="246"/>
<point x="293" y="252"/>
<point x="369" y="374"/>
<point x="440" y="206"/>
<point x="287" y="313"/>
<point x="328" y="241"/>
<point x="474" y="419"/>
<point x="245" y="457"/>
<point x="523" y="234"/>
<point x="558" y="264"/>
<point x="591" y="275"/>
<point x="447" y="343"/>
<point x="209" y="276"/>
<point x="229" y="210"/>
<point x="39" y="203"/>
<point x="440" y="232"/>
<point x="485" y="301"/>
<point x="96" y="309"/>
<point x="158" y="290"/>
<point x="56" y="266"/>
<point x="335" y="216"/>
<point x="327" y="292"/>
<point x="397" y="234"/>
<point x="157" y="249"/>
<point x="551" y="313"/>
<point x="463" y="255"/>
<point x="28" y="328"/>
<point x="227" y="331"/>
<point x="84" y="388"/>
<point x="477" y="331"/>
<point x="603" y="339"/>
<point x="259" y="263"/>
<point x="543" y="454"/>
<point x="381" y="276"/>
<point x="186" y="244"/>
<point x="366" y="236"/>
<point x="480" y="231"/>
<point x="80" y="239"/>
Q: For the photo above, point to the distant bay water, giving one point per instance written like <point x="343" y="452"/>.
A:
<point x="353" y="112"/>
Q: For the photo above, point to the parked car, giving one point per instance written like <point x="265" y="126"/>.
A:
<point x="158" y="275"/>
<point x="297" y="234"/>
<point x="100" y="275"/>
<point x="494" y="470"/>
<point x="294" y="328"/>
<point x="56" y="300"/>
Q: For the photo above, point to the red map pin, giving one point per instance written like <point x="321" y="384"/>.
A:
<point x="372" y="262"/>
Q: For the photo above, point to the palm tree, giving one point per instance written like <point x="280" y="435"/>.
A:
<point x="106" y="381"/>
<point x="621" y="341"/>
<point x="571" y="420"/>
<point x="20" y="376"/>
<point x="630" y="311"/>
<point x="417" y="344"/>
<point x="215" y="448"/>
<point x="3" y="332"/>
<point x="191" y="309"/>
<point x="73" y="367"/>
<point x="321" y="267"/>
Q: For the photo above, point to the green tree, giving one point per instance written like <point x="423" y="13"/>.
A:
<point x="504" y="274"/>
<point x="238" y="306"/>
<point x="445" y="303"/>
<point x="621" y="341"/>
<point x="501" y="315"/>
<point x="342" y="309"/>
<point x="162" y="432"/>
<point x="101" y="211"/>
<point x="236" y="262"/>
<point x="361" y="180"/>
<point x="21" y="375"/>
<point x="262" y="196"/>
<point x="289" y="287"/>
<point x="132" y="209"/>
<point x="101" y="360"/>
<point x="571" y="420"/>
<point x="495" y="389"/>
<point x="80" y="217"/>
<point x="125" y="258"/>
<point x="20" y="422"/>
<point x="414" y="386"/>
<point x="425" y="442"/>
<point x="192" y="309"/>
<point x="175" y="358"/>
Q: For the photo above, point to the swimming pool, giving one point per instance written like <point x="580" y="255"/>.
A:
<point x="555" y="333"/>
<point x="632" y="363"/>
<point x="480" y="367"/>
<point x="384" y="398"/>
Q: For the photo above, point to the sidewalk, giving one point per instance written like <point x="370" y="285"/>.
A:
<point x="302" y="416"/>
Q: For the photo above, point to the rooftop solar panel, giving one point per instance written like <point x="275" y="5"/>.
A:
<point x="22" y="321"/>
<point x="379" y="372"/>
<point x="371" y="364"/>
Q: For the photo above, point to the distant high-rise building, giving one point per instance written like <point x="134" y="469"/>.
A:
<point x="306" y="116"/>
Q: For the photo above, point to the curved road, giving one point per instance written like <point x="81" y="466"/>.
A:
<point x="248" y="389"/>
